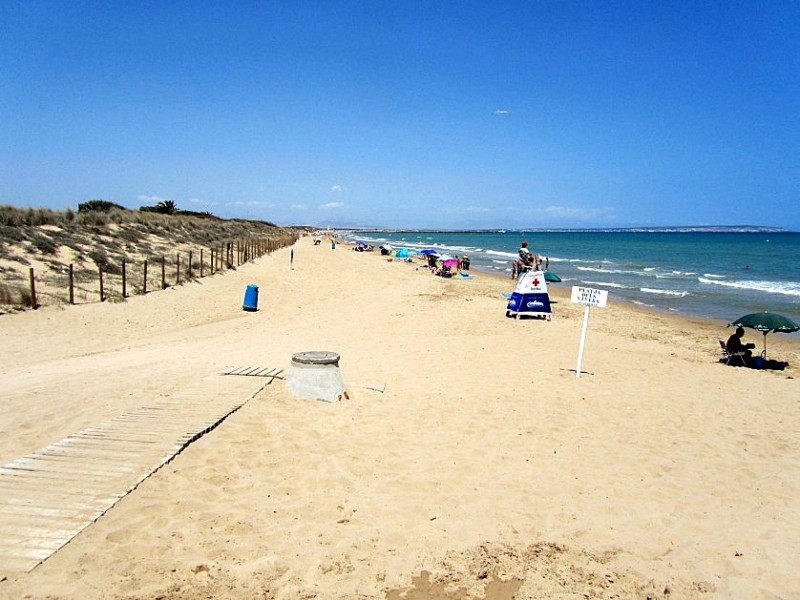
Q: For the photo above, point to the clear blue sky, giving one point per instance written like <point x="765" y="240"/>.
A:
<point x="408" y="114"/>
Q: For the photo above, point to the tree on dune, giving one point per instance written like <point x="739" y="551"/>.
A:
<point x="166" y="207"/>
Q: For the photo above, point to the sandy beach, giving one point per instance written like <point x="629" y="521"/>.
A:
<point x="467" y="462"/>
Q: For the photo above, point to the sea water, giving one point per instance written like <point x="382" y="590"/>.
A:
<point x="720" y="275"/>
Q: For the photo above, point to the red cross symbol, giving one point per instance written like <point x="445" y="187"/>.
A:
<point x="536" y="282"/>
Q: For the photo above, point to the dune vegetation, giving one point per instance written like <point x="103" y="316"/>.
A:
<point x="101" y="236"/>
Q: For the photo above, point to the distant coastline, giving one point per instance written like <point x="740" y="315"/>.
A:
<point x="666" y="229"/>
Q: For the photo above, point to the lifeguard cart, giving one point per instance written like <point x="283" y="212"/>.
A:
<point x="530" y="297"/>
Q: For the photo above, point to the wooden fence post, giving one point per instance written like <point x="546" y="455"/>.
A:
<point x="71" y="284"/>
<point x="163" y="273"/>
<point x="124" y="281"/>
<point x="34" y="304"/>
<point x="178" y="269"/>
<point x="102" y="293"/>
<point x="190" y="264"/>
<point x="144" y="279"/>
<point x="201" y="263"/>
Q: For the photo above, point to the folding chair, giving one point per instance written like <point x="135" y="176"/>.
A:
<point x="728" y="357"/>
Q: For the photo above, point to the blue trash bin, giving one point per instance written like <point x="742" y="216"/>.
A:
<point x="251" y="298"/>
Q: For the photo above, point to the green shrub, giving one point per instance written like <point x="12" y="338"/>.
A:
<point x="99" y="206"/>
<point x="93" y="218"/>
<point x="100" y="258"/>
<point x="44" y="244"/>
<point x="11" y="234"/>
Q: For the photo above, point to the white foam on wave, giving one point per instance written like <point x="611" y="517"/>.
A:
<point x="786" y="288"/>
<point x="591" y="262"/>
<point x="607" y="284"/>
<point x="677" y="293"/>
<point x="712" y="276"/>
<point x="472" y="249"/>
<point x="640" y="303"/>
<point x="610" y="271"/>
<point x="674" y="275"/>
<point x="499" y="253"/>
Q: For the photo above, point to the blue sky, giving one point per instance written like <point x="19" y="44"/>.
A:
<point x="407" y="114"/>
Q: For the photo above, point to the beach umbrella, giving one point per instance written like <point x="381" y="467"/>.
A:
<point x="766" y="322"/>
<point x="551" y="277"/>
<point x="427" y="251"/>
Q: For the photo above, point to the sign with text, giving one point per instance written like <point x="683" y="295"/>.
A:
<point x="589" y="296"/>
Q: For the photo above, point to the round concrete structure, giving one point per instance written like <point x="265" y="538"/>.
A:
<point x="315" y="375"/>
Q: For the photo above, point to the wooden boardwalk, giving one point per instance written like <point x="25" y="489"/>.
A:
<point x="48" y="497"/>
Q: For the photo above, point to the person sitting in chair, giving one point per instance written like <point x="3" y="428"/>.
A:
<point x="526" y="256"/>
<point x="735" y="344"/>
<point x="527" y="261"/>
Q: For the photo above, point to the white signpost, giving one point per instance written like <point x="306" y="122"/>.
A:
<point x="588" y="297"/>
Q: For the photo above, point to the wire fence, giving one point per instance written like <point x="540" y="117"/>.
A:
<point x="135" y="276"/>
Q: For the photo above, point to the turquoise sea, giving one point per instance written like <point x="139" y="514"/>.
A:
<point x="721" y="275"/>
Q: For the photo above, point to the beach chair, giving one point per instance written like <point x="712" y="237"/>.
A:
<point x="731" y="357"/>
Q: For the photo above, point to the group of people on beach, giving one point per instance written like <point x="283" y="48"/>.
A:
<point x="449" y="266"/>
<point x="526" y="261"/>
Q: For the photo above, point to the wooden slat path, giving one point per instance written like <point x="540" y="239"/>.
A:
<point x="256" y="372"/>
<point x="48" y="497"/>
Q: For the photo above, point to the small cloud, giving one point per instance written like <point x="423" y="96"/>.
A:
<point x="203" y="202"/>
<point x="252" y="203"/>
<point x="154" y="199"/>
<point x="337" y="188"/>
<point x="501" y="112"/>
<point x="299" y="206"/>
<point x="332" y="205"/>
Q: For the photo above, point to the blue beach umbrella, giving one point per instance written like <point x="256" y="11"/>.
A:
<point x="427" y="251"/>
